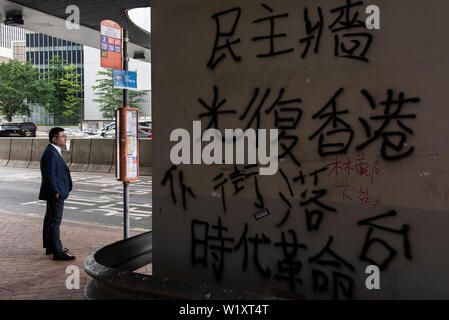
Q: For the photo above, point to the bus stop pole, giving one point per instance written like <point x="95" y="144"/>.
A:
<point x="126" y="209"/>
<point x="125" y="103"/>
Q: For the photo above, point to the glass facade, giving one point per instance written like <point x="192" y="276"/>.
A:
<point x="40" y="49"/>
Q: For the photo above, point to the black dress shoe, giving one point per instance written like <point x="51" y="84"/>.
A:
<point x="48" y="251"/>
<point x="63" y="256"/>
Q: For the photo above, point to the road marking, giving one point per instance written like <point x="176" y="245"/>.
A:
<point x="142" y="205"/>
<point x="33" y="202"/>
<point x="138" y="211"/>
<point x="112" y="212"/>
<point x="130" y="214"/>
<point x="80" y="203"/>
<point x="101" y="200"/>
<point x="105" y="197"/>
<point x="90" y="191"/>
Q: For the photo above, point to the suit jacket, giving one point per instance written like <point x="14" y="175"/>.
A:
<point x="55" y="175"/>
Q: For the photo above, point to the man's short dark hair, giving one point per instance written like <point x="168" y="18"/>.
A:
<point x="54" y="132"/>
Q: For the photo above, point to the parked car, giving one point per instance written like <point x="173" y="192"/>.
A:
<point x="146" y="129"/>
<point x="29" y="128"/>
<point x="109" y="132"/>
<point x="144" y="134"/>
<point x="75" y="133"/>
<point x="8" y="130"/>
<point x="91" y="131"/>
<point x="145" y="124"/>
<point x="87" y="130"/>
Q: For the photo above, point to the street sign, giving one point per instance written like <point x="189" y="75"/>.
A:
<point x="125" y="79"/>
<point x="127" y="138"/>
<point x="111" y="45"/>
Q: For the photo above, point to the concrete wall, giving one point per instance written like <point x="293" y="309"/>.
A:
<point x="145" y="158"/>
<point x="20" y="155"/>
<point x="205" y="225"/>
<point x="81" y="149"/>
<point x="36" y="150"/>
<point x="101" y="156"/>
<point x="84" y="155"/>
<point x="5" y="150"/>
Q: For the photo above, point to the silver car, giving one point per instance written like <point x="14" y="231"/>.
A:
<point x="70" y="132"/>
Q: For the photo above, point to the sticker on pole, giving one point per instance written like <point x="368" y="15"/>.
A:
<point x="111" y="45"/>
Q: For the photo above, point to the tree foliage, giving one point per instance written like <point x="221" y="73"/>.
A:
<point x="20" y="85"/>
<point x="54" y="74"/>
<point x="110" y="98"/>
<point x="71" y="85"/>
<point x="66" y="99"/>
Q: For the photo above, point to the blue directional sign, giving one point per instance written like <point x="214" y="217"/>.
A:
<point x="125" y="79"/>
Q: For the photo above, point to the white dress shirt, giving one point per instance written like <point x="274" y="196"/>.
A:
<point x="57" y="148"/>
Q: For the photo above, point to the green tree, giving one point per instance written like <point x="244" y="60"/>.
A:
<point x="66" y="101"/>
<point x="110" y="98"/>
<point x="20" y="85"/>
<point x="54" y="75"/>
<point x="70" y="84"/>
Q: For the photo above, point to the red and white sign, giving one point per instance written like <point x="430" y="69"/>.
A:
<point x="111" y="45"/>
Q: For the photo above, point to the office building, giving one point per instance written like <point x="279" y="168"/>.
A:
<point x="10" y="42"/>
<point x="40" y="49"/>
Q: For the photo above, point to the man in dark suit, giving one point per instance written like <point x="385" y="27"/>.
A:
<point x="55" y="187"/>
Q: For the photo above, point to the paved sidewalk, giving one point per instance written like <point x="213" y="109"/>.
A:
<point x="27" y="273"/>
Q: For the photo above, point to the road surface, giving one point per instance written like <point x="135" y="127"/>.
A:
<point x="96" y="198"/>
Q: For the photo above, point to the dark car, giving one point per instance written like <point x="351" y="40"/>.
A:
<point x="29" y="128"/>
<point x="8" y="130"/>
<point x="145" y="124"/>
